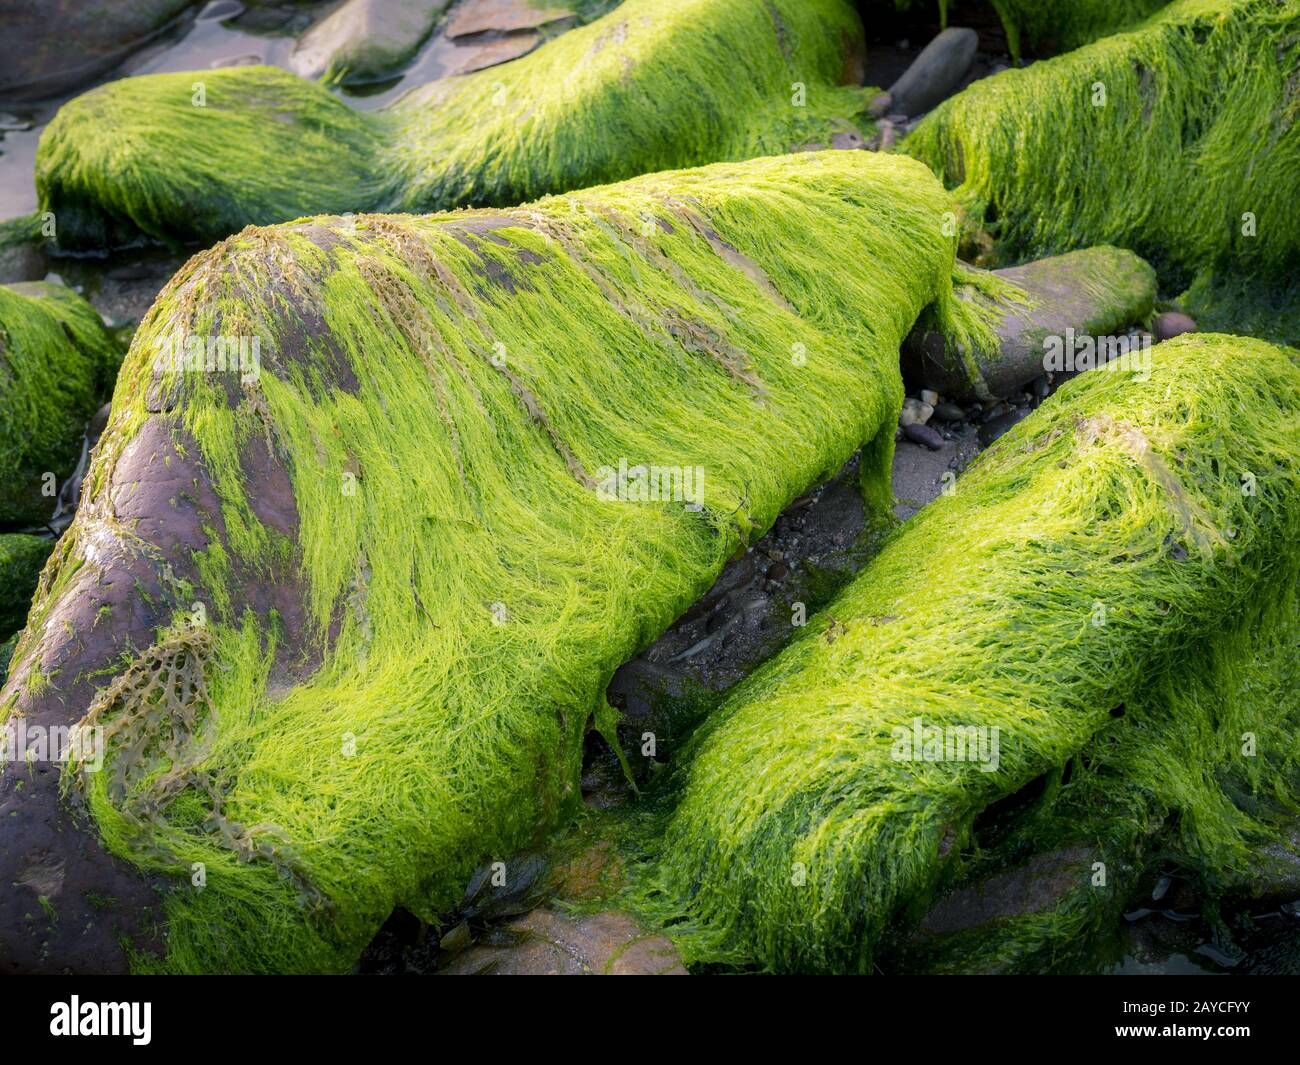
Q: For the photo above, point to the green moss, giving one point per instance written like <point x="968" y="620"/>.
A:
<point x="1096" y="547"/>
<point x="21" y="560"/>
<point x="1060" y="25"/>
<point x="635" y="91"/>
<point x="56" y="367"/>
<point x="1176" y="140"/>
<point x="1198" y="775"/>
<point x="470" y="591"/>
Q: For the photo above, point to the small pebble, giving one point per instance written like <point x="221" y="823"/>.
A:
<point x="880" y="105"/>
<point x="930" y="396"/>
<point x="924" y="435"/>
<point x="1171" y="324"/>
<point x="949" y="412"/>
<point x="914" y="412"/>
<point x="778" y="571"/>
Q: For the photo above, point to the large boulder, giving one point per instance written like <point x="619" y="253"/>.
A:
<point x="1078" y="559"/>
<point x="366" y="40"/>
<point x="342" y="612"/>
<point x="54" y="46"/>
<point x="1031" y="314"/>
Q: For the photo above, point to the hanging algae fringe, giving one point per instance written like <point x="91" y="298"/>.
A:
<point x="639" y="90"/>
<point x="1193" y="144"/>
<point x="1100" y="541"/>
<point x="446" y="394"/>
<point x="56" y="367"/>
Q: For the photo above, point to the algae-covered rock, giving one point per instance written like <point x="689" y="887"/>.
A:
<point x="1176" y="139"/>
<point x="1195" y="774"/>
<point x="380" y="578"/>
<point x="56" y="45"/>
<point x="198" y="156"/>
<point x="56" y="365"/>
<point x="1036" y="311"/>
<point x="366" y="40"/>
<point x="1082" y="556"/>
<point x="21" y="560"/>
<point x="1060" y="25"/>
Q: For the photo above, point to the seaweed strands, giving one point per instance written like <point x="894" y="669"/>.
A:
<point x="395" y="536"/>
<point x="187" y="157"/>
<point x="1176" y="139"/>
<point x="1083" y="555"/>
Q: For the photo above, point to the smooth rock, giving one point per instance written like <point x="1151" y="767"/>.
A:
<point x="1171" y="324"/>
<point x="483" y="54"/>
<point x="54" y="46"/>
<point x="928" y="395"/>
<point x="1094" y="292"/>
<point x="949" y="412"/>
<point x="936" y="73"/>
<point x="366" y="40"/>
<point x="502" y="16"/>
<point x="914" y="412"/>
<point x="923" y="435"/>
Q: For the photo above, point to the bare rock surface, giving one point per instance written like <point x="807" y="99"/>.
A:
<point x="502" y="16"/>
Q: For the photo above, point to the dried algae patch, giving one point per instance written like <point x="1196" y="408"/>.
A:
<point x="198" y="156"/>
<point x="1176" y="139"/>
<point x="410" y="591"/>
<point x="56" y="367"/>
<point x="1100" y="543"/>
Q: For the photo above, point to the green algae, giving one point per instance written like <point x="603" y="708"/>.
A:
<point x="21" y="560"/>
<point x="196" y="156"/>
<point x="1054" y="25"/>
<point x="1176" y="139"/>
<point x="444" y="392"/>
<point x="1094" y="549"/>
<point x="1198" y="775"/>
<point x="56" y="366"/>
